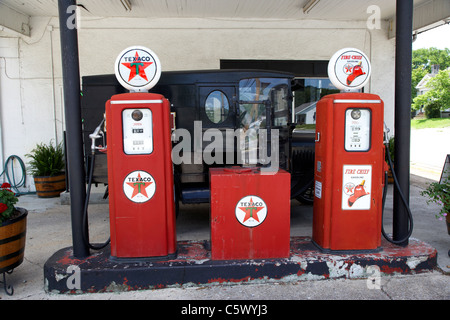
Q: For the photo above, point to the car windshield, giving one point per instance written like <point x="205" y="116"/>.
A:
<point x="254" y="92"/>
<point x="255" y="96"/>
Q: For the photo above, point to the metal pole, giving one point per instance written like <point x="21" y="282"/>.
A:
<point x="403" y="56"/>
<point x="71" y="82"/>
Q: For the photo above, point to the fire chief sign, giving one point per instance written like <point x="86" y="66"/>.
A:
<point x="356" y="187"/>
<point x="349" y="69"/>
<point x="139" y="186"/>
<point x="251" y="211"/>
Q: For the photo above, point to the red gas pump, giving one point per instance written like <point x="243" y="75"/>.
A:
<point x="349" y="160"/>
<point x="140" y="174"/>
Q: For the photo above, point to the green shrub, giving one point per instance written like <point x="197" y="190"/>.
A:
<point x="46" y="160"/>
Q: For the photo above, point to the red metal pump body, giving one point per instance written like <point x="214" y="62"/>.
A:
<point x="140" y="177"/>
<point x="349" y="166"/>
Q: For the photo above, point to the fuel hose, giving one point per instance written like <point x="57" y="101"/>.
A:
<point x="405" y="203"/>
<point x="85" y="211"/>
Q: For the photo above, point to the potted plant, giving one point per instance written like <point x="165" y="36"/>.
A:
<point x="47" y="166"/>
<point x="13" y="224"/>
<point x="439" y="192"/>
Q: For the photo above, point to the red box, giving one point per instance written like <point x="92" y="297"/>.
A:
<point x="250" y="214"/>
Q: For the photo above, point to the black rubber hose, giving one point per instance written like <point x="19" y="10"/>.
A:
<point x="85" y="211"/>
<point x="405" y="203"/>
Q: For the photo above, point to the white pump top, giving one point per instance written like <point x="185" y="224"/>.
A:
<point x="138" y="69"/>
<point x="349" y="69"/>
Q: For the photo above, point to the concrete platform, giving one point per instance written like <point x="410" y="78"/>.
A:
<point x="194" y="267"/>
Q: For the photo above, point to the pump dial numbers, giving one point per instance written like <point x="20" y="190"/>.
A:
<point x="137" y="131"/>
<point x="357" y="129"/>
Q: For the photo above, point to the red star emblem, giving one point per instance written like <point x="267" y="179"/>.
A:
<point x="137" y="67"/>
<point x="139" y="187"/>
<point x="251" y="212"/>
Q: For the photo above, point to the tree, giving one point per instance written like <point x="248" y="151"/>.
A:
<point x="438" y="98"/>
<point x="426" y="57"/>
<point x="422" y="60"/>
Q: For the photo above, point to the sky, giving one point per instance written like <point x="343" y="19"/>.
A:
<point x="438" y="37"/>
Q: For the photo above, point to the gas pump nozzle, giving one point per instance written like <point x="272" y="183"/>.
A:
<point x="386" y="134"/>
<point x="98" y="133"/>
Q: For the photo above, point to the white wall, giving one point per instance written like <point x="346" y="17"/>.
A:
<point x="30" y="67"/>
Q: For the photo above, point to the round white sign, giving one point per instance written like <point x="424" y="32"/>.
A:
<point x="137" y="68"/>
<point x="349" y="69"/>
<point x="251" y="211"/>
<point x="139" y="186"/>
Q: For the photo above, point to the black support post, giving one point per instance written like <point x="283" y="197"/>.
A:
<point x="71" y="82"/>
<point x="403" y="56"/>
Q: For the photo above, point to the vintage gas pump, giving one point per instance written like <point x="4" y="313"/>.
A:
<point x="349" y="160"/>
<point x="140" y="174"/>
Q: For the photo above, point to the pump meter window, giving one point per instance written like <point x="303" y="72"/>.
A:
<point x="137" y="131"/>
<point x="357" y="129"/>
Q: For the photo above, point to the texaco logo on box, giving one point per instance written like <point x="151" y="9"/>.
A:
<point x="137" y="68"/>
<point x="139" y="186"/>
<point x="251" y="211"/>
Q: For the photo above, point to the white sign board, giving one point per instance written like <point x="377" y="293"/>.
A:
<point x="356" y="187"/>
<point x="349" y="69"/>
<point x="137" y="69"/>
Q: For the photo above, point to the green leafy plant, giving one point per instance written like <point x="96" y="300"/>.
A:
<point x="439" y="193"/>
<point x="391" y="149"/>
<point x="438" y="97"/>
<point x="7" y="200"/>
<point x="46" y="160"/>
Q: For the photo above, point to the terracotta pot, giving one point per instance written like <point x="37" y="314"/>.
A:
<point x="12" y="241"/>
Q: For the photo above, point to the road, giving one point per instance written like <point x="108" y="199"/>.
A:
<point x="429" y="147"/>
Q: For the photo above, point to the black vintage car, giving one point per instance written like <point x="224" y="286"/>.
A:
<point x="225" y="100"/>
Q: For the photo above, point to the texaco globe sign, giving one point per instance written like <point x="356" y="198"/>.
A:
<point x="349" y="69"/>
<point x="137" y="68"/>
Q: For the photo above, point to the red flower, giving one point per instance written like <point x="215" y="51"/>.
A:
<point x="6" y="185"/>
<point x="3" y="207"/>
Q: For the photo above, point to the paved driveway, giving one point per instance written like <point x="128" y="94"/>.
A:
<point x="429" y="147"/>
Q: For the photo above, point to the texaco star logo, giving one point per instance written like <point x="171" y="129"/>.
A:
<point x="137" y="65"/>
<point x="139" y="186"/>
<point x="137" y="68"/>
<point x="251" y="211"/>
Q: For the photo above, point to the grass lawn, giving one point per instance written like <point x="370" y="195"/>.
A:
<point x="306" y="126"/>
<point x="415" y="124"/>
<point x="430" y="123"/>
